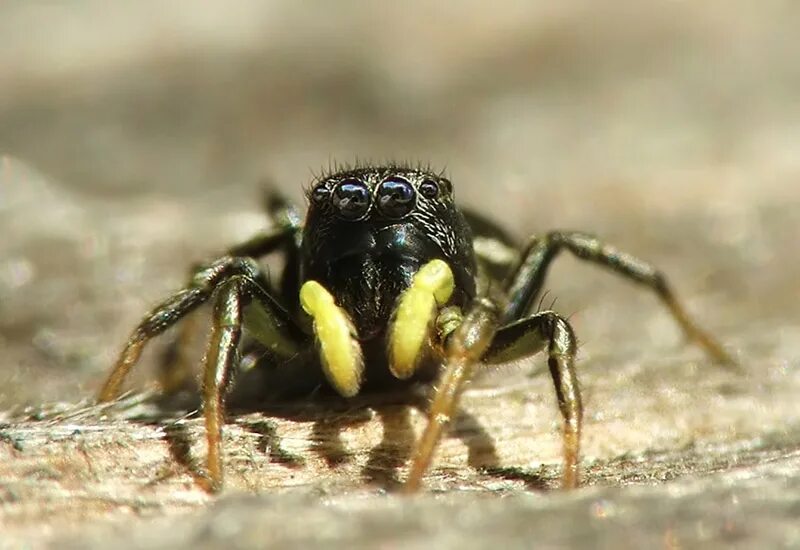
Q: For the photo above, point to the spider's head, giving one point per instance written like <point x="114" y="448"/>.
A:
<point x="369" y="229"/>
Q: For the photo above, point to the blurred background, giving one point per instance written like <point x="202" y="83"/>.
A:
<point x="137" y="138"/>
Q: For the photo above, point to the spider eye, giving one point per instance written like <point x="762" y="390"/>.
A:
<point x="320" y="194"/>
<point x="429" y="189"/>
<point x="351" y="198"/>
<point x="396" y="197"/>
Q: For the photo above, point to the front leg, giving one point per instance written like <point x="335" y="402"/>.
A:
<point x="464" y="347"/>
<point x="223" y="345"/>
<point x="478" y="339"/>
<point x="525" y="284"/>
<point x="175" y="367"/>
<point x="239" y="287"/>
<point x="176" y="307"/>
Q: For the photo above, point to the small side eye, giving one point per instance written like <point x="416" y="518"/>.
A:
<point x="396" y="197"/>
<point x="351" y="198"/>
<point x="320" y="194"/>
<point x="429" y="189"/>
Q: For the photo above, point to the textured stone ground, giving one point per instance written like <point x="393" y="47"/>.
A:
<point x="137" y="140"/>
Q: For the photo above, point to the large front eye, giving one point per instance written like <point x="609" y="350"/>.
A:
<point x="396" y="197"/>
<point x="351" y="199"/>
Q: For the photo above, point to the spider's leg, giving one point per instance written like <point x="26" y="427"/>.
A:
<point x="179" y="305"/>
<point x="496" y="251"/>
<point x="464" y="347"/>
<point x="285" y="214"/>
<point x="239" y="296"/>
<point x="157" y="321"/>
<point x="220" y="357"/>
<point x="239" y="287"/>
<point x="175" y="363"/>
<point x="530" y="336"/>
<point x="280" y="236"/>
<point x="525" y="284"/>
<point x="175" y="366"/>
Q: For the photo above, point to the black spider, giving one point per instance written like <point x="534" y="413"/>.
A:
<point x="386" y="282"/>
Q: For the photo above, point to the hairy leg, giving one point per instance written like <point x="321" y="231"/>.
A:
<point x="220" y="358"/>
<point x="547" y="330"/>
<point x="464" y="348"/>
<point x="185" y="301"/>
<point x="175" y="367"/>
<point x="525" y="284"/>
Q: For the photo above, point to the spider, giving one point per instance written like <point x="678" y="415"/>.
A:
<point x="387" y="282"/>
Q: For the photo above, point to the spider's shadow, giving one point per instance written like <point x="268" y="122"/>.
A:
<point x="330" y="417"/>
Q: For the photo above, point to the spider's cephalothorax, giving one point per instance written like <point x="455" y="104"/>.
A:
<point x="387" y="280"/>
<point x="367" y="234"/>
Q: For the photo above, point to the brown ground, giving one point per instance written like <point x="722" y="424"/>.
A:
<point x="134" y="142"/>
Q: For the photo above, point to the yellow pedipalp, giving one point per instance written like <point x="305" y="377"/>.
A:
<point x="431" y="288"/>
<point x="341" y="355"/>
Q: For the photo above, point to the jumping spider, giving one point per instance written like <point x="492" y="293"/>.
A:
<point x="388" y="281"/>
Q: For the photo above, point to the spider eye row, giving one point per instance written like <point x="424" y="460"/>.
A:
<point x="394" y="197"/>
